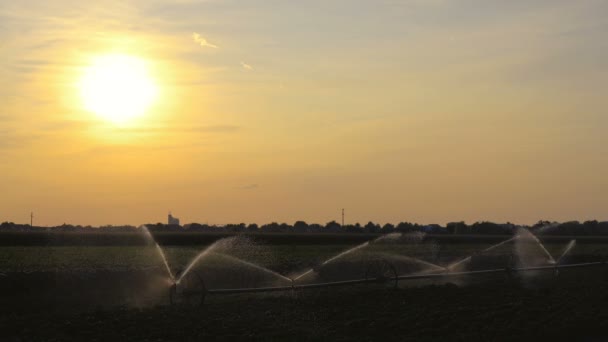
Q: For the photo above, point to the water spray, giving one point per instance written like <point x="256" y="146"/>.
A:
<point x="188" y="286"/>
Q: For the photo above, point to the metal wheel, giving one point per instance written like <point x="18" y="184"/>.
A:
<point x="191" y="290"/>
<point x="382" y="271"/>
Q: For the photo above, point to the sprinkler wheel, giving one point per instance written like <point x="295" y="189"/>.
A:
<point x="382" y="271"/>
<point x="191" y="290"/>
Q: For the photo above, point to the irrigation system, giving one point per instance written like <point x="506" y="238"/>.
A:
<point x="378" y="272"/>
<point x="189" y="285"/>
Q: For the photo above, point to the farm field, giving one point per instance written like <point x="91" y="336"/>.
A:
<point x="565" y="311"/>
<point x="80" y="290"/>
<point x="281" y="254"/>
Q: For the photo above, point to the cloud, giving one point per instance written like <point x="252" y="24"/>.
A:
<point x="184" y="129"/>
<point x="249" y="187"/>
<point x="14" y="141"/>
<point x="246" y="66"/>
<point x="202" y="41"/>
<point x="64" y="125"/>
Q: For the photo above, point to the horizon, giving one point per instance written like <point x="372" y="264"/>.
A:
<point x="417" y="111"/>
<point x="546" y="223"/>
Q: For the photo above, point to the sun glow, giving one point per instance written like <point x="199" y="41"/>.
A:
<point x="118" y="88"/>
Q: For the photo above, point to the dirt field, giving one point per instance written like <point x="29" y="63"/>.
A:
<point x="99" y="292"/>
<point x="499" y="311"/>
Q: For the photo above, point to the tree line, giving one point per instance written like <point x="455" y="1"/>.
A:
<point x="455" y="228"/>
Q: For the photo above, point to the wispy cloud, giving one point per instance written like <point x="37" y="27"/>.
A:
<point x="13" y="141"/>
<point x="197" y="38"/>
<point x="118" y="149"/>
<point x="249" y="187"/>
<point x="184" y="129"/>
<point x="246" y="66"/>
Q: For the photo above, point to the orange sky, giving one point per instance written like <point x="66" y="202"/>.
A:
<point x="423" y="111"/>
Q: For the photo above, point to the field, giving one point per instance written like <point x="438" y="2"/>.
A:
<point x="112" y="288"/>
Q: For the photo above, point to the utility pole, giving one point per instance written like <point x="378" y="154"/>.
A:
<point x="32" y="219"/>
<point x="342" y="217"/>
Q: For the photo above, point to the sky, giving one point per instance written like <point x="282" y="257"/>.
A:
<point x="276" y="111"/>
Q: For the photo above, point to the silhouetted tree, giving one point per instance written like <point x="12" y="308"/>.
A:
<point x="541" y="224"/>
<point x="351" y="228"/>
<point x="333" y="227"/>
<point x="490" y="228"/>
<point x="271" y="228"/>
<point x="457" y="228"/>
<point x="405" y="227"/>
<point x="388" y="228"/>
<point x="300" y="226"/>
<point x="371" y="227"/>
<point x="252" y="228"/>
<point x="315" y="228"/>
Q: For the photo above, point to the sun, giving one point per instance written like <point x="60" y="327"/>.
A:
<point x="118" y="88"/>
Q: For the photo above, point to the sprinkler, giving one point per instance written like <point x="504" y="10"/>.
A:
<point x="173" y="293"/>
<point x="188" y="287"/>
<point x="173" y="288"/>
<point x="382" y="272"/>
<point x="189" y="290"/>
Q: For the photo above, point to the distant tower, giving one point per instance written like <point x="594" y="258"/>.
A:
<point x="172" y="220"/>
<point x="342" y="217"/>
<point x="32" y="219"/>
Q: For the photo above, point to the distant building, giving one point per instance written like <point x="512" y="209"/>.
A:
<point x="172" y="221"/>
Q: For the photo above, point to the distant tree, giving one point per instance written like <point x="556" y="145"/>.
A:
<point x="315" y="228"/>
<point x="541" y="224"/>
<point x="371" y="227"/>
<point x="197" y="227"/>
<point x="434" y="229"/>
<point x="7" y="225"/>
<point x="490" y="228"/>
<point x="388" y="228"/>
<point x="252" y="228"/>
<point x="602" y="228"/>
<point x="568" y="228"/>
<point x="405" y="227"/>
<point x="352" y="228"/>
<point x="235" y="228"/>
<point x="333" y="227"/>
<point x="590" y="227"/>
<point x="271" y="228"/>
<point x="457" y="227"/>
<point x="300" y="226"/>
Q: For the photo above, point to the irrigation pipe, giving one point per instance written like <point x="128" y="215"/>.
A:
<point x="399" y="278"/>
